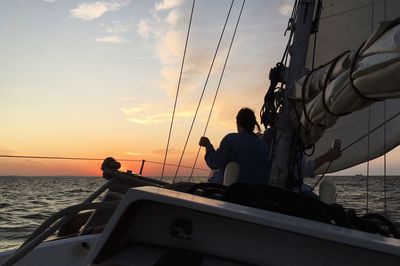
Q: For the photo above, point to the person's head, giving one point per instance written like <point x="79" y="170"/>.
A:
<point x="246" y="120"/>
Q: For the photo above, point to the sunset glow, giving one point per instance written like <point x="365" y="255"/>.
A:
<point x="95" y="79"/>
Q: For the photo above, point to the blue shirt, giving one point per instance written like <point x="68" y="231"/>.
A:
<point x="246" y="149"/>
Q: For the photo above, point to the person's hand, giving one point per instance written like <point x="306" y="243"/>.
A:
<point x="204" y="142"/>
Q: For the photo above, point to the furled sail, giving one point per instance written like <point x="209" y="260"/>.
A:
<point x="331" y="105"/>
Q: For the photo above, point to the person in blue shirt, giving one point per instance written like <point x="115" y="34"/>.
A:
<point x="244" y="148"/>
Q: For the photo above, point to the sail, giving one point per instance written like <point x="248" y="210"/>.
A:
<point x="346" y="115"/>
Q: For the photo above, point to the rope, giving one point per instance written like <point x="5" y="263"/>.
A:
<point x="384" y="157"/>
<point x="218" y="86"/>
<point x="204" y="88"/>
<point x="369" y="117"/>
<point x="86" y="159"/>
<point x="61" y="158"/>
<point x="384" y="135"/>
<point x="177" y="90"/>
<point x="290" y="27"/>
<point x="368" y="156"/>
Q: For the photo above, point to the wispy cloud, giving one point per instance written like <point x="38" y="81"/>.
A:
<point x="147" y="114"/>
<point x="111" y="39"/>
<point x="167" y="4"/>
<point x="117" y="27"/>
<point x="133" y="110"/>
<point x="50" y="1"/>
<point x="135" y="153"/>
<point x="5" y="151"/>
<point x="90" y="11"/>
<point x="165" y="30"/>
<point x="285" y="9"/>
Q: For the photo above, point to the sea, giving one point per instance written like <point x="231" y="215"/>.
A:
<point x="25" y="202"/>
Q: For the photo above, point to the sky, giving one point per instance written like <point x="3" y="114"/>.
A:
<point x="96" y="79"/>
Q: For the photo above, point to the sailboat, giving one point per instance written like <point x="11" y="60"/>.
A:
<point x="145" y="222"/>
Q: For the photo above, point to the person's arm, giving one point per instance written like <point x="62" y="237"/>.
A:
<point x="215" y="159"/>
<point x="330" y="155"/>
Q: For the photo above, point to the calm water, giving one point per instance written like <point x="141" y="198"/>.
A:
<point x="25" y="202"/>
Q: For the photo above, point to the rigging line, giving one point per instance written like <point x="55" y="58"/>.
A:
<point x="291" y="26"/>
<point x="368" y="157"/>
<point x="183" y="166"/>
<point x="369" y="121"/>
<point x="177" y="90"/>
<point x="384" y="157"/>
<point x="357" y="140"/>
<point x="218" y="86"/>
<point x="84" y="159"/>
<point x="204" y="88"/>
<point x="384" y="133"/>
<point x="61" y="158"/>
<point x="373" y="130"/>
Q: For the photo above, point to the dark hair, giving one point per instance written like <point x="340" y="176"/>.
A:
<point x="247" y="119"/>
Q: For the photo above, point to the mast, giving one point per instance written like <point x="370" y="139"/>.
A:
<point x="283" y="156"/>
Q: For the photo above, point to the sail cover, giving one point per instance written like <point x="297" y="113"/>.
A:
<point x="333" y="106"/>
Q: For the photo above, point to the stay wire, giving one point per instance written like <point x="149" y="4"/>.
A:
<point x="218" y="86"/>
<point x="86" y="159"/>
<point x="204" y="88"/>
<point x="369" y="121"/>
<point x="177" y="90"/>
<point x="368" y="157"/>
<point x="61" y="158"/>
<point x="384" y="136"/>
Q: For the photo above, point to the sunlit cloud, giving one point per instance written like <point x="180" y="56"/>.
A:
<point x="165" y="31"/>
<point x="167" y="4"/>
<point x="90" y="11"/>
<point x="128" y="98"/>
<point x="6" y="151"/>
<point x="131" y="110"/>
<point x="285" y="9"/>
<point x="143" y="28"/>
<point x="111" y="39"/>
<point x="147" y="114"/>
<point x="135" y="153"/>
<point x="170" y="151"/>
<point x="156" y="118"/>
<point x="173" y="17"/>
<point x="50" y="1"/>
<point x="117" y="27"/>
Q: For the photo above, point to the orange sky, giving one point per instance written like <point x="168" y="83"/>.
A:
<point x="105" y="84"/>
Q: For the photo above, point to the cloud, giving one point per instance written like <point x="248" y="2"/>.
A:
<point x="170" y="151"/>
<point x="285" y="9"/>
<point x="50" y="1"/>
<point x="132" y="110"/>
<point x="173" y="17"/>
<point x="5" y="151"/>
<point x="135" y="153"/>
<point x="167" y="4"/>
<point x="111" y="39"/>
<point x="117" y="27"/>
<point x="144" y="29"/>
<point x="165" y="30"/>
<point x="148" y="114"/>
<point x="90" y="11"/>
<point x="156" y="118"/>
